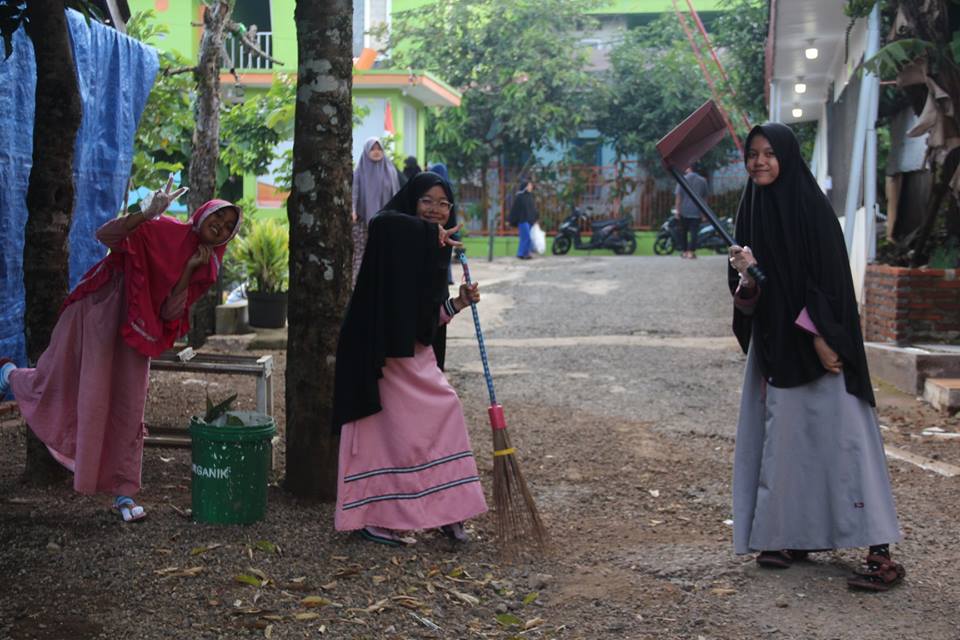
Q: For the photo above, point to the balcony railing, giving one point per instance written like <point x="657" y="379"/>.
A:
<point x="244" y="59"/>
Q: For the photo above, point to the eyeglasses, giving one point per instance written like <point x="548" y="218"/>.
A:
<point x="430" y="203"/>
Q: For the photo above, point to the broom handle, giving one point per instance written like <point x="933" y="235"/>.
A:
<point x="462" y="257"/>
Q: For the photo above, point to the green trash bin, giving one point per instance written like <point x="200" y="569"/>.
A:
<point x="231" y="465"/>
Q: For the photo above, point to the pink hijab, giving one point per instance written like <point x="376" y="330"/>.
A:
<point x="152" y="258"/>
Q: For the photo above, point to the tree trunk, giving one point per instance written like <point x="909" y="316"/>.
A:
<point x="320" y="241"/>
<point x="206" y="148"/>
<point x="50" y="197"/>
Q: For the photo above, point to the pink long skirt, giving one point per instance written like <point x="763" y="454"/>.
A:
<point x="86" y="396"/>
<point x="410" y="466"/>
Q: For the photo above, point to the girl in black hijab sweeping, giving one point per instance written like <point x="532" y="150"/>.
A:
<point x="405" y="457"/>
<point x="810" y="473"/>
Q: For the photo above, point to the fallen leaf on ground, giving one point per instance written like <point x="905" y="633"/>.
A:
<point x="534" y="622"/>
<point x="531" y="598"/>
<point x="307" y="615"/>
<point x="210" y="547"/>
<point x="315" y="601"/>
<point x="408" y="602"/>
<point x="508" y="620"/>
<point x="244" y="578"/>
<point x="266" y="546"/>
<point x="466" y="597"/>
<point x="723" y="591"/>
<point x="190" y="572"/>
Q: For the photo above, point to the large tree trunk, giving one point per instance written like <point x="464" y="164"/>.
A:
<point x="50" y="196"/>
<point x="320" y="241"/>
<point x="206" y="148"/>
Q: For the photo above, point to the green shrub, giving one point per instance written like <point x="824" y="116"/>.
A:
<point x="265" y="254"/>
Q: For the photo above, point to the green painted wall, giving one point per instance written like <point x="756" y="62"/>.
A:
<point x="182" y="38"/>
<point x="284" y="34"/>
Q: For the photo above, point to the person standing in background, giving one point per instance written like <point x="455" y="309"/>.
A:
<point x="375" y="181"/>
<point x="410" y="168"/>
<point x="523" y="213"/>
<point x="687" y="213"/>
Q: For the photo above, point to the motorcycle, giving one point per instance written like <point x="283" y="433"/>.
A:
<point x="605" y="234"/>
<point x="707" y="238"/>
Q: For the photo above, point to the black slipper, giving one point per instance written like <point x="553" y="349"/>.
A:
<point x="372" y="537"/>
<point x="775" y="559"/>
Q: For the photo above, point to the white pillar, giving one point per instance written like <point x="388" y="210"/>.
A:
<point x="864" y="111"/>
<point x="870" y="176"/>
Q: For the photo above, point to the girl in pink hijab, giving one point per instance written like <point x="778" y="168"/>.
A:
<point x="86" y="396"/>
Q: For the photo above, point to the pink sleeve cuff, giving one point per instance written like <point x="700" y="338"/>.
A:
<point x="744" y="301"/>
<point x="444" y="316"/>
<point x="806" y="323"/>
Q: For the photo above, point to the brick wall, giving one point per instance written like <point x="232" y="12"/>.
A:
<point x="909" y="306"/>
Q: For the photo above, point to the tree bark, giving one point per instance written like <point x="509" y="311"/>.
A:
<point x="50" y="197"/>
<point x="206" y="148"/>
<point x="321" y="250"/>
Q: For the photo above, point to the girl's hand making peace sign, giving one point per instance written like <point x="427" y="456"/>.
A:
<point x="160" y="200"/>
<point x="447" y="240"/>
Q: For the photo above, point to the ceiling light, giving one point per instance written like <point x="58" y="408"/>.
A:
<point x="797" y="112"/>
<point x="811" y="52"/>
<point x="800" y="87"/>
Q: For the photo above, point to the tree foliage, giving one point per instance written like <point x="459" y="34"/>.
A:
<point x="518" y="64"/>
<point x="162" y="144"/>
<point x="740" y="34"/>
<point x="654" y="83"/>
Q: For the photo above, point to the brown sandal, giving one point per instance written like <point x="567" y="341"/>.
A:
<point x="879" y="573"/>
<point x="781" y="559"/>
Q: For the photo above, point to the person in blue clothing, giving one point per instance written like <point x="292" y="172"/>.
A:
<point x="523" y="214"/>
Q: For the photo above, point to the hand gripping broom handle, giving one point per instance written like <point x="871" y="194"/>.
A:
<point x="753" y="270"/>
<point x="462" y="257"/>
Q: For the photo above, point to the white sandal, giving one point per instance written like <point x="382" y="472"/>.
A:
<point x="129" y="510"/>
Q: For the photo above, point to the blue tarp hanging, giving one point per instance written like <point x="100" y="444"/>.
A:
<point x="115" y="74"/>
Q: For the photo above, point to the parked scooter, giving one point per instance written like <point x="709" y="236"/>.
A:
<point x="605" y="234"/>
<point x="707" y="238"/>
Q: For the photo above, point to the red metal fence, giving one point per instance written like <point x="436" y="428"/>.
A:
<point x="612" y="191"/>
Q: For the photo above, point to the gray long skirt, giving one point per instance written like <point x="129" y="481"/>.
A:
<point x="809" y="470"/>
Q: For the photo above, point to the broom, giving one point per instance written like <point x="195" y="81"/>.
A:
<point x="518" y="522"/>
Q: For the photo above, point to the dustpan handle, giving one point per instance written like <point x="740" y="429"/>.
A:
<point x="462" y="257"/>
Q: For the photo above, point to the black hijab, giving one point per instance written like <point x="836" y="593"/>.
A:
<point x="405" y="201"/>
<point x="796" y="238"/>
<point x="392" y="308"/>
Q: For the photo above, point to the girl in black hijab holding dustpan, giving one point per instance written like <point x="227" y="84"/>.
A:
<point x="810" y="473"/>
<point x="405" y="457"/>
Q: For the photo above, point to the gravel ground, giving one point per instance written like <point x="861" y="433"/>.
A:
<point x="620" y="382"/>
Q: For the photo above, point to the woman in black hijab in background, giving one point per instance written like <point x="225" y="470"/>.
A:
<point x="810" y="473"/>
<point x="405" y="457"/>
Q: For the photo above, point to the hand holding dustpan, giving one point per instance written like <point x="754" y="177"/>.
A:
<point x="689" y="141"/>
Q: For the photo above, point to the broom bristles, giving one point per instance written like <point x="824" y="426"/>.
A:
<point x="518" y="521"/>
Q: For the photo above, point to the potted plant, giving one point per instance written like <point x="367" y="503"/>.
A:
<point x="264" y="252"/>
